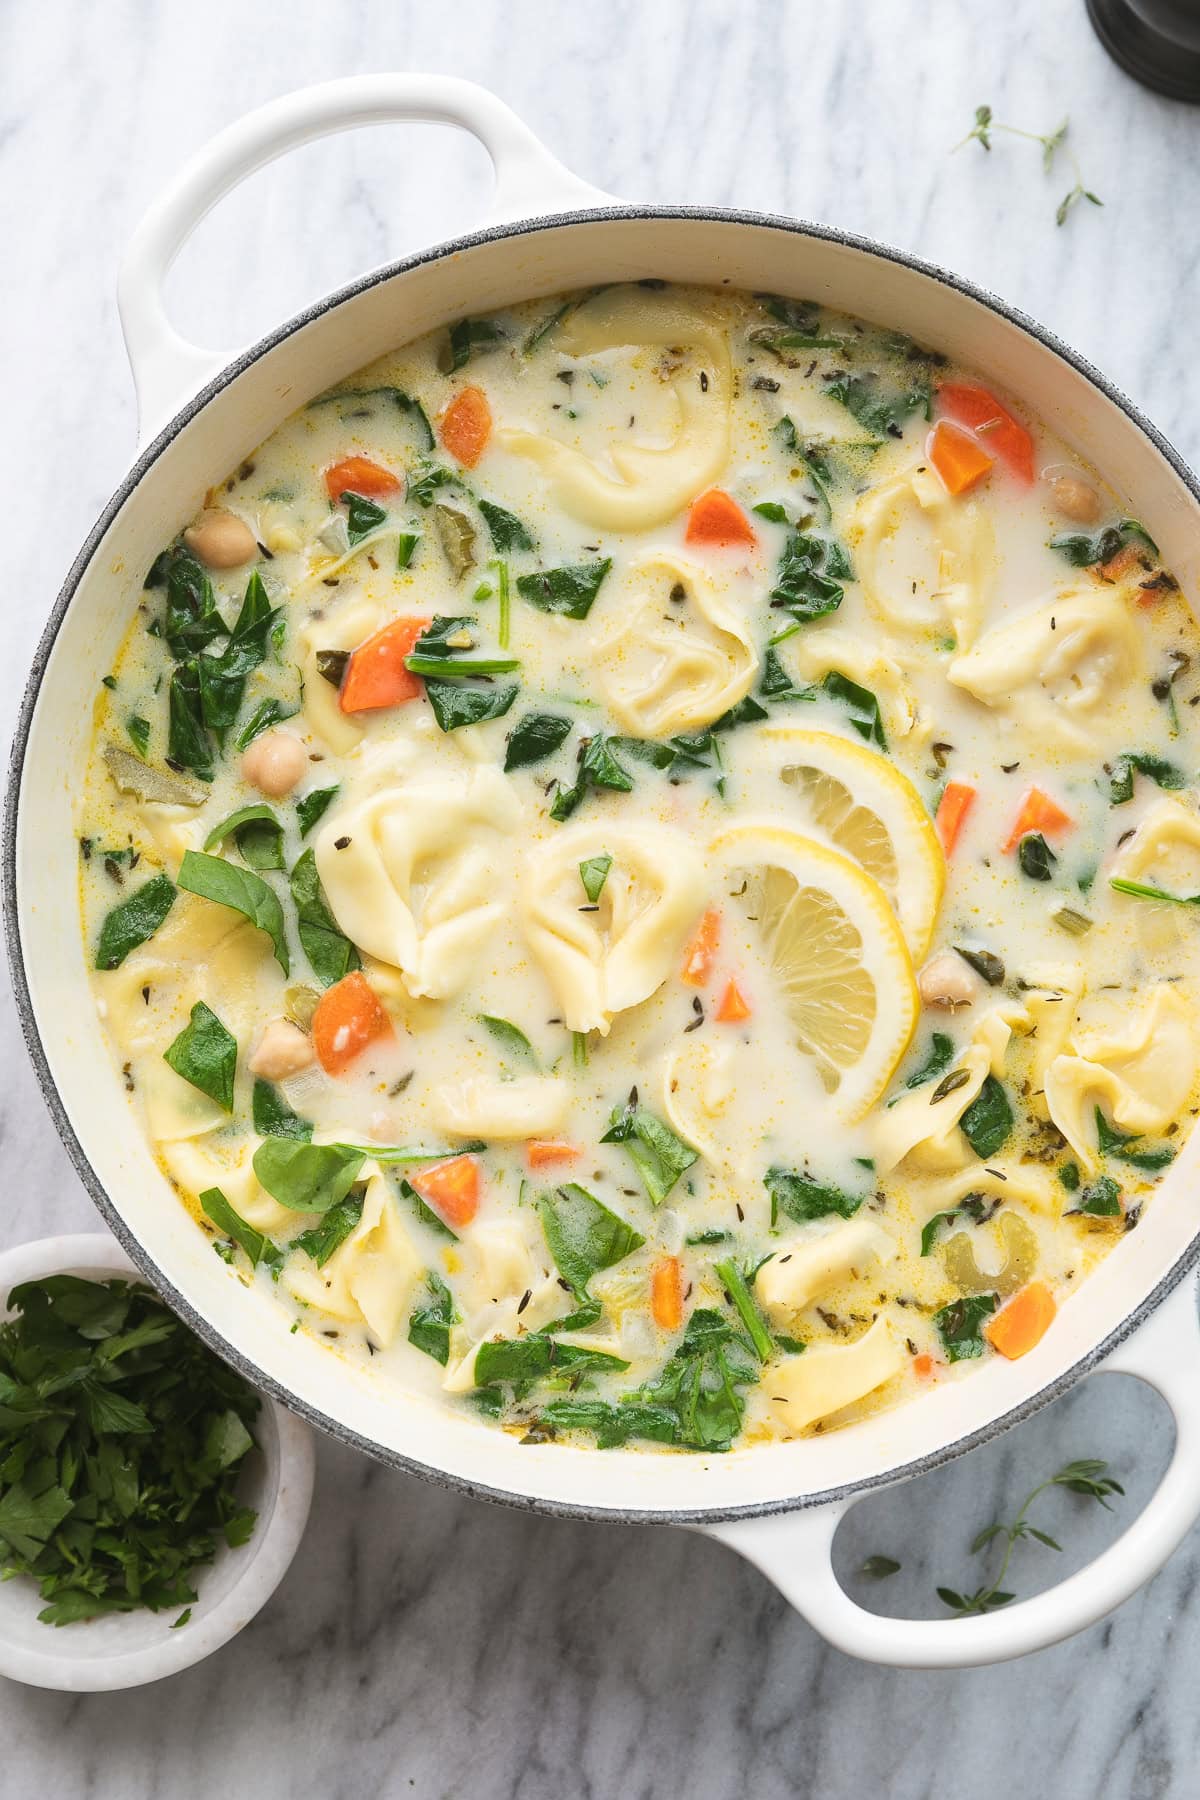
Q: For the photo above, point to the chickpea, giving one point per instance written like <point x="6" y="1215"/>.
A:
<point x="282" y="1050"/>
<point x="274" y="763"/>
<point x="221" y="540"/>
<point x="946" y="982"/>
<point x="1075" y="499"/>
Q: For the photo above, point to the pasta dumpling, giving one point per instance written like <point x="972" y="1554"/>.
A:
<point x="600" y="963"/>
<point x="806" y="1265"/>
<point x="370" y="1277"/>
<point x="411" y="874"/>
<point x="924" y="558"/>
<point x="829" y="1377"/>
<point x="1140" y="1076"/>
<point x="1054" y="671"/>
<point x="482" y="1106"/>
<point x="679" y="657"/>
<point x="652" y="483"/>
<point x="926" y="1130"/>
<point x="1164" y="849"/>
<point x="197" y="1166"/>
<point x="835" y="648"/>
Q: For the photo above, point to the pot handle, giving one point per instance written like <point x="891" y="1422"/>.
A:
<point x="794" y="1549"/>
<point x="167" y="369"/>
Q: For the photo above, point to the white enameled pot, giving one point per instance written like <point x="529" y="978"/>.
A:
<point x="201" y="413"/>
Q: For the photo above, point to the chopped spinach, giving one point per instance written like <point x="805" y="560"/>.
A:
<point x="700" y="1384"/>
<point x="510" y="1038"/>
<point x="1083" y="549"/>
<point x="659" y="1156"/>
<point x="522" y="1362"/>
<point x="257" y="1246"/>
<point x="321" y="1240"/>
<point x="188" y="743"/>
<point x="582" y="1235"/>
<point x="139" y="733"/>
<point x="1036" y="858"/>
<point x="568" y="591"/>
<point x="457" y="703"/>
<point x="612" y="1424"/>
<point x="535" y="736"/>
<point x="865" y="716"/>
<point x="802" y="1198"/>
<point x="506" y="530"/>
<point x="312" y="807"/>
<point x="134" y="921"/>
<point x="937" y="1061"/>
<point x="429" y="1324"/>
<point x="988" y="1121"/>
<point x="1131" y="762"/>
<point x="307" y="1177"/>
<point x="273" y="1117"/>
<point x="1112" y="1142"/>
<point x="205" y="1054"/>
<point x="222" y="679"/>
<point x="808" y="581"/>
<point x="598" y="768"/>
<point x="881" y="407"/>
<point x="267" y="713"/>
<point x="191" y="621"/>
<point x="1101" y="1199"/>
<point x="960" y="1326"/>
<point x="738" y="1288"/>
<point x="353" y="397"/>
<point x="257" y="833"/>
<point x="468" y="338"/>
<point x="593" y="874"/>
<point x="328" y="950"/>
<point x="240" y="889"/>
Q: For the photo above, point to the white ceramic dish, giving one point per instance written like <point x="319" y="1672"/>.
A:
<point x="778" y="1505"/>
<point x="123" y="1650"/>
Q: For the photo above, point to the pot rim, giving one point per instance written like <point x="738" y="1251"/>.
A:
<point x="205" y="1329"/>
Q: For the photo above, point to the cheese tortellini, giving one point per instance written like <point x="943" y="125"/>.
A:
<point x="411" y="874"/>
<point x="829" y="1377"/>
<point x="600" y="963"/>
<point x="1141" y="1075"/>
<point x="371" y="1276"/>
<point x="924" y="558"/>
<point x="651" y="482"/>
<point x="806" y="1265"/>
<point x="679" y="657"/>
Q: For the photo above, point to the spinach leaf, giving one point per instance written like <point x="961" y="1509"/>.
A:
<point x="273" y="1117"/>
<point x="535" y="736"/>
<point x="468" y="338"/>
<point x="598" y="768"/>
<point x="257" y="833"/>
<point x="426" y="479"/>
<point x="191" y="621"/>
<point x="457" y="703"/>
<point x="785" y="344"/>
<point x="352" y="398"/>
<point x="776" y="684"/>
<point x="134" y="921"/>
<point x="429" y="1325"/>
<point x="321" y="1240"/>
<point x="329" y="952"/>
<point x="510" y="1038"/>
<point x="1112" y="1142"/>
<point x="425" y="1213"/>
<point x="593" y="874"/>
<point x="363" y="516"/>
<point x="222" y="679"/>
<point x="865" y="715"/>
<point x="506" y="530"/>
<point x="527" y="1360"/>
<point x="257" y="1247"/>
<point x="215" y="879"/>
<point x="933" y="1226"/>
<point x="1124" y="767"/>
<point x="406" y="544"/>
<point x="266" y="713"/>
<point x="802" y="1198"/>
<point x="1101" y="1199"/>
<point x="1083" y="550"/>
<point x="659" y="1157"/>
<point x="139" y="733"/>
<point x="568" y="591"/>
<point x="937" y="1061"/>
<point x="881" y="407"/>
<point x="1036" y="858"/>
<point x="1139" y="890"/>
<point x="612" y="1424"/>
<point x="700" y="1384"/>
<point x="960" y="1326"/>
<point x="205" y="1054"/>
<point x="808" y="581"/>
<point x="312" y="807"/>
<point x="188" y="743"/>
<point x="582" y="1235"/>
<point x="738" y="1289"/>
<point x="988" y="1120"/>
<point x="307" y="1177"/>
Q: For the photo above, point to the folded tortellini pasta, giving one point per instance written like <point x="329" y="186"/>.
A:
<point x="696" y="1087"/>
<point x="1164" y="849"/>
<point x="1141" y="1075"/>
<point x="482" y="1106"/>
<point x="413" y="873"/>
<point x="1055" y="672"/>
<point x="861" y="657"/>
<point x="370" y="1277"/>
<point x="678" y="656"/>
<point x="808" y="1264"/>
<point x="926" y="1130"/>
<point x="1028" y="1184"/>
<point x="599" y="963"/>
<point x="197" y="1166"/>
<point x="924" y="558"/>
<point x="652" y="483"/>
<point x="829" y="1377"/>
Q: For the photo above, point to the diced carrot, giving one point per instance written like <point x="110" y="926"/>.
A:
<point x="349" y="1016"/>
<point x="466" y="425"/>
<point x="999" y="431"/>
<point x="1023" y="1322"/>
<point x="698" y="958"/>
<point x="734" y="1005"/>
<point x="1127" y="559"/>
<point x="923" y="1365"/>
<point x="957" y="799"/>
<point x="541" y="1152"/>
<point x="375" y="675"/>
<point x="715" y="518"/>
<point x="359" y="475"/>
<point x="666" y="1293"/>
<point x="958" y="457"/>
<point x="451" y="1187"/>
<point x="1038" y="813"/>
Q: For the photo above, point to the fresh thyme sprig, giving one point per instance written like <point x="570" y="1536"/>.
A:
<point x="1087" y="1477"/>
<point x="981" y="133"/>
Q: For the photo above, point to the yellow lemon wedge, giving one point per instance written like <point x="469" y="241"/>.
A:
<point x="843" y="970"/>
<point x="856" y="801"/>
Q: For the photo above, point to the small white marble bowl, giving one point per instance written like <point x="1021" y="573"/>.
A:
<point x="122" y="1650"/>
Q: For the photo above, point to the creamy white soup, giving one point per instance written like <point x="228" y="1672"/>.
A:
<point x="638" y="859"/>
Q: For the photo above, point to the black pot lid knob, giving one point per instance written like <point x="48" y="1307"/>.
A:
<point x="1155" y="41"/>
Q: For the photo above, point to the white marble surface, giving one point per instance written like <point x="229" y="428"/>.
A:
<point x="423" y="1643"/>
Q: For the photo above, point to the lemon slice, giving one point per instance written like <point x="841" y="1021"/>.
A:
<point x="859" y="803"/>
<point x="844" y="974"/>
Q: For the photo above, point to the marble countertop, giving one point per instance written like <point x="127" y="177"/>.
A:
<point x="424" y="1643"/>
